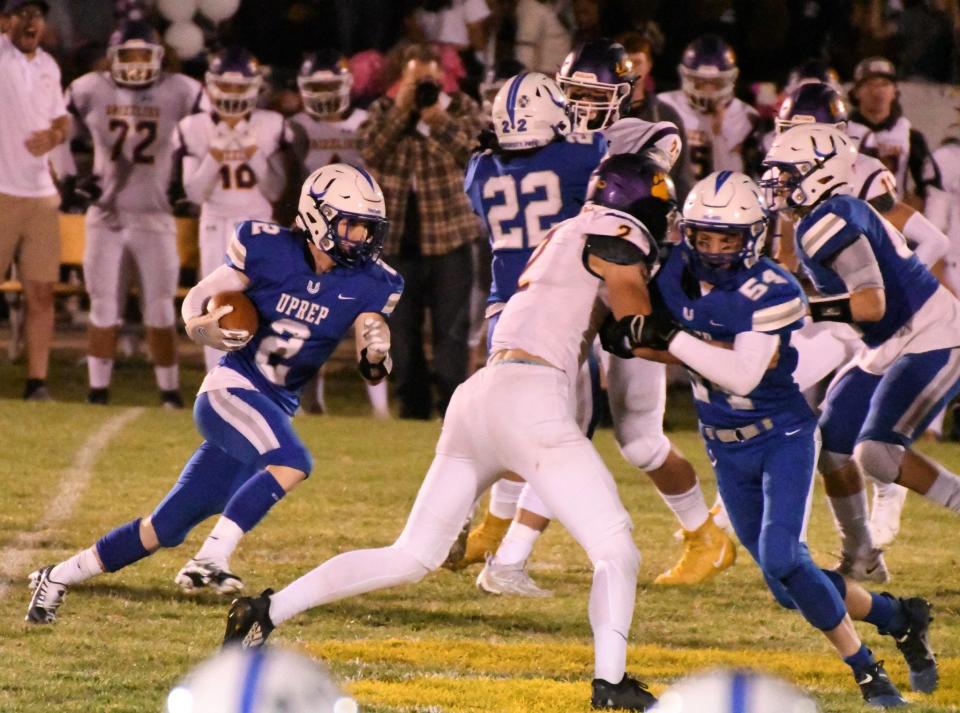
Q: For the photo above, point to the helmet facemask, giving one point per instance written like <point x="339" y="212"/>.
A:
<point x="233" y="94"/>
<point x="350" y="239"/>
<point x="708" y="88"/>
<point x="720" y="267"/>
<point x="135" y="63"/>
<point x="324" y="94"/>
<point x="594" y="105"/>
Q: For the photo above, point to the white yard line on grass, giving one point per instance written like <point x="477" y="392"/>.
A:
<point x="15" y="557"/>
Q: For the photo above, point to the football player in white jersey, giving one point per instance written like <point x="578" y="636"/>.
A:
<point x="130" y="112"/>
<point x="516" y="414"/>
<point x="226" y="155"/>
<point x="881" y="128"/>
<point x="720" y="128"/>
<point x="826" y="346"/>
<point x="325" y="132"/>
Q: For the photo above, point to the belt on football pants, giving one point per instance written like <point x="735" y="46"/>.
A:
<point x="737" y="435"/>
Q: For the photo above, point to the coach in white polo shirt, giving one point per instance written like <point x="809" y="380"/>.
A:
<point x="34" y="120"/>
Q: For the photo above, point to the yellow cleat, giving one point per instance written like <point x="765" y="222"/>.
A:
<point x="484" y="538"/>
<point x="707" y="551"/>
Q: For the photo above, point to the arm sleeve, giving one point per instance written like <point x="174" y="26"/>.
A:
<point x="380" y="133"/>
<point x="223" y="279"/>
<point x="738" y="370"/>
<point x="857" y="266"/>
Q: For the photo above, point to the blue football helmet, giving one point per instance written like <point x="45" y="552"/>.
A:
<point x="812" y="103"/>
<point x="324" y="82"/>
<point x="136" y="54"/>
<point x="639" y="185"/>
<point x="343" y="211"/>
<point x="597" y="78"/>
<point x="233" y="82"/>
<point x="708" y="72"/>
<point x="724" y="202"/>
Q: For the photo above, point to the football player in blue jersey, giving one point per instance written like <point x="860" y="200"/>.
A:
<point x="728" y="316"/>
<point x="910" y="365"/>
<point x="310" y="285"/>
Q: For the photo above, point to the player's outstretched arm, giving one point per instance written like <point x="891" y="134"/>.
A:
<point x="373" y="346"/>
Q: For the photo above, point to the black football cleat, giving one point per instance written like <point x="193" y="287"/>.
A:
<point x="171" y="400"/>
<point x="915" y="646"/>
<point x="877" y="689"/>
<point x="629" y="695"/>
<point x="248" y="621"/>
<point x="100" y="397"/>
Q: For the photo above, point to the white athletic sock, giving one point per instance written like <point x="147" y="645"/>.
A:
<point x="689" y="507"/>
<point x="517" y="544"/>
<point x="611" y="613"/>
<point x="720" y="517"/>
<point x="221" y="542"/>
<point x="168" y="377"/>
<point x="345" y="575"/>
<point x="99" y="372"/>
<point x="504" y="496"/>
<point x="945" y="490"/>
<point x="379" y="399"/>
<point x="850" y="515"/>
<point x="79" y="568"/>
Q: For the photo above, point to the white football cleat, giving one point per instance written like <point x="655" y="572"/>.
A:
<point x="867" y="566"/>
<point x="496" y="578"/>
<point x="47" y="597"/>
<point x="888" y="501"/>
<point x="199" y="574"/>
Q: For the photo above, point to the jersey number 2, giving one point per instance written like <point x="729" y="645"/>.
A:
<point x="287" y="339"/>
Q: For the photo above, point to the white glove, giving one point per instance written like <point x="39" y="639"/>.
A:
<point x="205" y="329"/>
<point x="376" y="336"/>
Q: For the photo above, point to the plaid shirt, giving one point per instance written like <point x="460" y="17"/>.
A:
<point x="402" y="159"/>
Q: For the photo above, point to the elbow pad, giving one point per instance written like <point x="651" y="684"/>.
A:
<point x="831" y="309"/>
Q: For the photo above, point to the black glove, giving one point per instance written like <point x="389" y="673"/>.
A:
<point x="78" y="194"/>
<point x="488" y="141"/>
<point x="621" y="337"/>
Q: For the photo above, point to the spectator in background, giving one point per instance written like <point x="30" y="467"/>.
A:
<point x="416" y="141"/>
<point x="34" y="122"/>
<point x="644" y="104"/>
<point x="461" y="23"/>
<point x="542" y="42"/>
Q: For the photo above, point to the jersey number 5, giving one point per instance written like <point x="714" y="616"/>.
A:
<point x="754" y="289"/>
<point x="540" y="191"/>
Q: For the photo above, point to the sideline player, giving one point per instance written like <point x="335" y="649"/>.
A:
<point x="251" y="456"/>
<point x="737" y="311"/>
<point x="325" y="132"/>
<point x="910" y="365"/>
<point x="517" y="414"/>
<point x="720" y="128"/>
<point x="130" y="112"/>
<point x="226" y="158"/>
<point x="871" y="181"/>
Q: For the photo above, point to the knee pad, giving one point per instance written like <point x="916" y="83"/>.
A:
<point x="648" y="452"/>
<point x="158" y="314"/>
<point x="879" y="460"/>
<point x="104" y="311"/>
<point x="619" y="549"/>
<point x="779" y="551"/>
<point x="831" y="462"/>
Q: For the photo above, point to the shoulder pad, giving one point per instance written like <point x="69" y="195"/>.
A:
<point x="775" y="298"/>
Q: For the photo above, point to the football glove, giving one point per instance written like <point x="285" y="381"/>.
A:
<point x="205" y="329"/>
<point x="79" y="194"/>
<point x="375" y="362"/>
<point x="621" y="336"/>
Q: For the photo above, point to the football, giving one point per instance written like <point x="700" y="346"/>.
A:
<point x="244" y="315"/>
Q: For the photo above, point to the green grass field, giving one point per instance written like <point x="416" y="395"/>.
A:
<point x="124" y="639"/>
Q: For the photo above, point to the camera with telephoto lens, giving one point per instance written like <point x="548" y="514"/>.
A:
<point x="426" y="93"/>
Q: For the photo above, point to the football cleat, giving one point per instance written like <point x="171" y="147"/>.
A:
<point x="915" y="646"/>
<point x="458" y="548"/>
<point x="866" y="567"/>
<point x="629" y="694"/>
<point x="171" y="400"/>
<point x="877" y="689"/>
<point x="888" y="501"/>
<point x="199" y="574"/>
<point x="47" y="597"/>
<point x="248" y="621"/>
<point x="707" y="551"/>
<point x="496" y="578"/>
<point x="482" y="540"/>
<point x="101" y="397"/>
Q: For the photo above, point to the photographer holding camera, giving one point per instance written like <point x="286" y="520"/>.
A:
<point x="416" y="142"/>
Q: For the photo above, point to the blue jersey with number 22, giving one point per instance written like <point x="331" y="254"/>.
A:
<point x="520" y="195"/>
<point x="303" y="315"/>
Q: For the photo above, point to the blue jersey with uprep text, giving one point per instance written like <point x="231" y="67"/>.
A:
<point x="303" y="315"/>
<point x="764" y="298"/>
<point x="521" y="195"/>
<point x="838" y="222"/>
